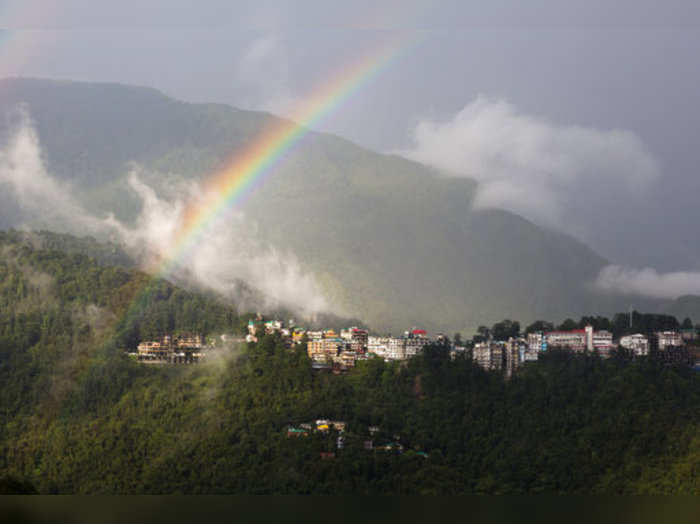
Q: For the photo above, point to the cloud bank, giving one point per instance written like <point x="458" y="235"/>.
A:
<point x="227" y="252"/>
<point x="648" y="282"/>
<point x="554" y="175"/>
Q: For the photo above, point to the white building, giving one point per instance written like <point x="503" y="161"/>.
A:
<point x="581" y="339"/>
<point x="600" y="340"/>
<point x="414" y="342"/>
<point x="378" y="345"/>
<point x="669" y="338"/>
<point x="489" y="355"/>
<point x="535" y="341"/>
<point x="638" y="344"/>
<point x="395" y="349"/>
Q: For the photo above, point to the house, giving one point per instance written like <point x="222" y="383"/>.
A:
<point x="638" y="344"/>
<point x="669" y="338"/>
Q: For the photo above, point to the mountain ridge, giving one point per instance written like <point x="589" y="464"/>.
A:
<point x="392" y="242"/>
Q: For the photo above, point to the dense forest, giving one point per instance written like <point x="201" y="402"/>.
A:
<point x="78" y="416"/>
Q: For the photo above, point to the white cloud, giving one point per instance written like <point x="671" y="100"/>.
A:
<point x="42" y="197"/>
<point x="227" y="250"/>
<point x="648" y="282"/>
<point x="554" y="175"/>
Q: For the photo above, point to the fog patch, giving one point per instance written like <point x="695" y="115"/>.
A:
<point x="648" y="282"/>
<point x="552" y="174"/>
<point x="219" y="254"/>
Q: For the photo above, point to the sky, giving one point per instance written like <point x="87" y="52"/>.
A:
<point x="582" y="115"/>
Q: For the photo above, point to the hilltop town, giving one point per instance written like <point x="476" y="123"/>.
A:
<point x="491" y="349"/>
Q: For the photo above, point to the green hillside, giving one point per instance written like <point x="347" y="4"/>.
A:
<point x="78" y="416"/>
<point x="392" y="242"/>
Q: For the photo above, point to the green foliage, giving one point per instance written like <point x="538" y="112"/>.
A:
<point x="505" y="329"/>
<point x="79" y="417"/>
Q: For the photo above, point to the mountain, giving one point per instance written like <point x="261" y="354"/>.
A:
<point x="391" y="241"/>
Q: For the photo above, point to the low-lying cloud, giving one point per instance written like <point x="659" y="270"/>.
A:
<point x="227" y="251"/>
<point x="648" y="282"/>
<point x="552" y="174"/>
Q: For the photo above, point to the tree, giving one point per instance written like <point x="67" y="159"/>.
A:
<point x="506" y="329"/>
<point x="483" y="333"/>
<point x="539" y="325"/>
<point x="568" y="325"/>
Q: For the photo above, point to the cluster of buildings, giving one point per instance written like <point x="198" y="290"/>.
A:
<point x="181" y="349"/>
<point x="385" y="442"/>
<point x="327" y="348"/>
<point x="588" y="339"/>
<point x="339" y="352"/>
<point x="504" y="355"/>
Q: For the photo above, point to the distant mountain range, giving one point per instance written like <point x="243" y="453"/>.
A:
<point x="392" y="242"/>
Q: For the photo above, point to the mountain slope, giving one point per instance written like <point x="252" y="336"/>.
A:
<point x="391" y="241"/>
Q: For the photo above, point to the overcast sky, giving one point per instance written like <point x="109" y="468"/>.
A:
<point x="552" y="105"/>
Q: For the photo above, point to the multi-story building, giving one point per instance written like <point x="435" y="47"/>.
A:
<point x="356" y="338"/>
<point x="669" y="338"/>
<point x="175" y="350"/>
<point x="536" y="341"/>
<point x="638" y="344"/>
<point x="580" y="340"/>
<point x="378" y="346"/>
<point x="489" y="355"/>
<point x="346" y="358"/>
<point x="514" y="352"/>
<point x="395" y="349"/>
<point x="574" y="339"/>
<point x="415" y="341"/>
<point x="325" y="349"/>
<point x="600" y="340"/>
<point x="314" y="335"/>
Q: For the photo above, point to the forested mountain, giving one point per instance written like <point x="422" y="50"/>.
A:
<point x="78" y="416"/>
<point x="392" y="242"/>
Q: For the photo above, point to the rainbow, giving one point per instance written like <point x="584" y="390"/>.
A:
<point x="231" y="185"/>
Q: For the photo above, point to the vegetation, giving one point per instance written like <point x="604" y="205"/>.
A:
<point x="77" y="416"/>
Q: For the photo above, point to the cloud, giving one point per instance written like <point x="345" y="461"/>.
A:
<point x="227" y="251"/>
<point x="552" y="174"/>
<point x="43" y="199"/>
<point x="648" y="282"/>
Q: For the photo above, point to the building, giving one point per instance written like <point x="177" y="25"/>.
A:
<point x="515" y="350"/>
<point x="395" y="349"/>
<point x="602" y="341"/>
<point x="273" y="326"/>
<point x="253" y="327"/>
<point x="182" y="349"/>
<point x="356" y="338"/>
<point x="580" y="340"/>
<point x="346" y="358"/>
<point x="574" y="340"/>
<point x="378" y="346"/>
<point x="638" y="344"/>
<point x="669" y="338"/>
<point x="325" y="349"/>
<point x="536" y="342"/>
<point x="414" y="342"/>
<point x="489" y="355"/>
<point x="689" y="334"/>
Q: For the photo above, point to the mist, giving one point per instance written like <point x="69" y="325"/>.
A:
<point x="648" y="282"/>
<point x="226" y="257"/>
<point x="555" y="175"/>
